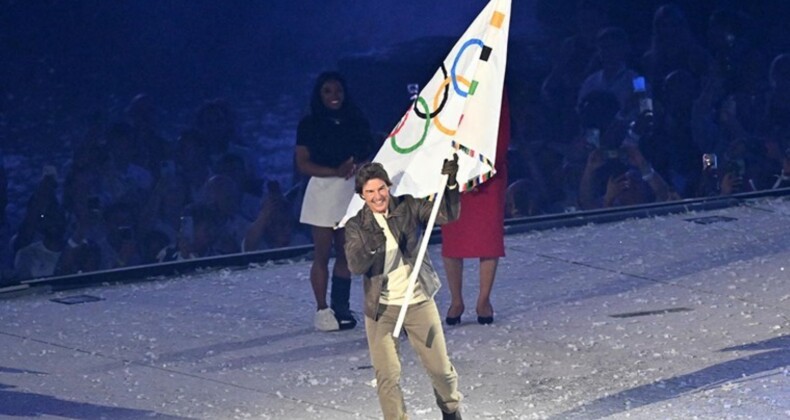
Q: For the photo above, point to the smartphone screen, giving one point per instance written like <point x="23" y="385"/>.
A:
<point x="592" y="136"/>
<point x="639" y="84"/>
<point x="709" y="161"/>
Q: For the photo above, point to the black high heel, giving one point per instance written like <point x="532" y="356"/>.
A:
<point x="454" y="320"/>
<point x="485" y="320"/>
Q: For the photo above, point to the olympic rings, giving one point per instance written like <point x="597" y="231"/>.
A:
<point x="438" y="104"/>
<point x="467" y="44"/>
<point x="444" y="99"/>
<point x="436" y="121"/>
<point x="406" y="150"/>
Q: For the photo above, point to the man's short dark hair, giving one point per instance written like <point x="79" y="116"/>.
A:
<point x="368" y="171"/>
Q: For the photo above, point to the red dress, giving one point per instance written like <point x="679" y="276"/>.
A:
<point x="480" y="231"/>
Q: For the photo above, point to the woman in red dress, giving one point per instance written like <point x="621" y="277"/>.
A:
<point x="479" y="232"/>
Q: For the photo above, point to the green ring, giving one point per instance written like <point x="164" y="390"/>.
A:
<point x="410" y="149"/>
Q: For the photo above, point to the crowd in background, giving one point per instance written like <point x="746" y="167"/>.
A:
<point x="128" y="197"/>
<point x="685" y="118"/>
<point x="689" y="116"/>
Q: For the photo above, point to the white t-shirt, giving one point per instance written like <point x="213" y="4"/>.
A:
<point x="394" y="291"/>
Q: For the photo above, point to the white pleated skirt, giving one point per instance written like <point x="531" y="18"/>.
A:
<point x="326" y="200"/>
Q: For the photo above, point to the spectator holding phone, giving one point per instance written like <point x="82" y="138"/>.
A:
<point x="197" y="236"/>
<point x="617" y="174"/>
<point x="597" y="111"/>
<point x="726" y="178"/>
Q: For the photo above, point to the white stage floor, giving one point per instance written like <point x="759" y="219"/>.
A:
<point x="659" y="318"/>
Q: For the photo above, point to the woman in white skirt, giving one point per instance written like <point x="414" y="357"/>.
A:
<point x="330" y="143"/>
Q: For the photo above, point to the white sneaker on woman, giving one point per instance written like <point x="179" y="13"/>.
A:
<point x="325" y="320"/>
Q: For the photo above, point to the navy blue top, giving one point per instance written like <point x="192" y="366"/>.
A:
<point x="331" y="141"/>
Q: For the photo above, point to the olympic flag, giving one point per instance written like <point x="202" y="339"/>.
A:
<point x="457" y="110"/>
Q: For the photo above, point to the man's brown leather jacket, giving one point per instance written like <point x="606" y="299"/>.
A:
<point x="406" y="219"/>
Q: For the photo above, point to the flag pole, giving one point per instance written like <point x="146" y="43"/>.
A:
<point x="426" y="237"/>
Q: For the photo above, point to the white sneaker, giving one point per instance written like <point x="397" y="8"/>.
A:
<point x="325" y="320"/>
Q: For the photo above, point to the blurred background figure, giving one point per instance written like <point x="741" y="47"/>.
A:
<point x="6" y="256"/>
<point x="615" y="76"/>
<point x="152" y="148"/>
<point x="197" y="236"/>
<point x="119" y="245"/>
<point x="522" y="200"/>
<point x="164" y="207"/>
<point x="775" y="127"/>
<point x="669" y="143"/>
<point x="3" y="190"/>
<point x="232" y="165"/>
<point x="192" y="160"/>
<point x="673" y="47"/>
<point x="224" y="196"/>
<point x="273" y="227"/>
<point x="40" y="258"/>
<point x="330" y="142"/>
<point x="576" y="59"/>
<point x="39" y="242"/>
<point x="216" y="124"/>
<point x="123" y="180"/>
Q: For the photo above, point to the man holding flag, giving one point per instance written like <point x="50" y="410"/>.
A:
<point x="457" y="112"/>
<point x="381" y="244"/>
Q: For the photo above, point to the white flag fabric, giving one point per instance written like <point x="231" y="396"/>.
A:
<point x="457" y="110"/>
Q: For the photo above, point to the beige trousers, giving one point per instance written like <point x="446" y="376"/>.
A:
<point x="424" y="329"/>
